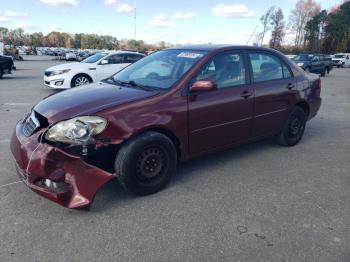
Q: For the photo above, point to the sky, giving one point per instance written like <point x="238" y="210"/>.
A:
<point x="178" y="22"/>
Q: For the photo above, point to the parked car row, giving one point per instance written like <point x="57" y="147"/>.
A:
<point x="314" y="63"/>
<point x="321" y="63"/>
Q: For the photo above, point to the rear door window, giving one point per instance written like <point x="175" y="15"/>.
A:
<point x="132" y="58"/>
<point x="267" y="67"/>
<point x="115" y="59"/>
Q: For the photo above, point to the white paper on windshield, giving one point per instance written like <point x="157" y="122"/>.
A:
<point x="189" y="55"/>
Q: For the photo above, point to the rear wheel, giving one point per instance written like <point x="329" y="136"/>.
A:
<point x="80" y="80"/>
<point x="294" y="128"/>
<point x="1" y="74"/>
<point x="145" y="164"/>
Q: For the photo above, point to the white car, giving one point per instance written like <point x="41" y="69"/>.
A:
<point x="341" y="60"/>
<point x="94" y="68"/>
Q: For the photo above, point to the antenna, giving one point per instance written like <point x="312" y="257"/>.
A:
<point x="252" y="35"/>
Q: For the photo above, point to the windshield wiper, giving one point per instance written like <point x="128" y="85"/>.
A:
<point x="130" y="83"/>
<point x="145" y="87"/>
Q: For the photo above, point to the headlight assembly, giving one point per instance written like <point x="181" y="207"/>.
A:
<point x="78" y="130"/>
<point x="59" y="72"/>
<point x="300" y="64"/>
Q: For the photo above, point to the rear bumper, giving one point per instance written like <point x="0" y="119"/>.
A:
<point x="81" y="180"/>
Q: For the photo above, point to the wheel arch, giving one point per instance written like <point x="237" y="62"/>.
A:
<point x="162" y="130"/>
<point x="305" y="106"/>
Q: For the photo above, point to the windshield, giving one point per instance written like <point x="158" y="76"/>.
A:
<point x="94" y="58"/>
<point x="339" y="56"/>
<point x="160" y="70"/>
<point x="303" y="58"/>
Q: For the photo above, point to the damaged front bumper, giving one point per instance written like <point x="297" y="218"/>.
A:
<point x="55" y="174"/>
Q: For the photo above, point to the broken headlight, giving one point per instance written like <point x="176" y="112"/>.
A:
<point x="78" y="130"/>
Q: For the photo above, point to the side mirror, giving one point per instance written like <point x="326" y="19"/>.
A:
<point x="204" y="85"/>
<point x="104" y="62"/>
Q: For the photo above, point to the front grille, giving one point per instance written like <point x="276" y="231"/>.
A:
<point x="47" y="73"/>
<point x="31" y="124"/>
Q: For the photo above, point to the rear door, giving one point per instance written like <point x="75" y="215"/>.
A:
<point x="273" y="85"/>
<point x="222" y="117"/>
<point x="316" y="63"/>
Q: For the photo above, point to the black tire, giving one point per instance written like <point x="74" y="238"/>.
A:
<point x="74" y="82"/>
<point x="293" y="129"/>
<point x="307" y="70"/>
<point x="1" y="74"/>
<point x="323" y="73"/>
<point x="144" y="165"/>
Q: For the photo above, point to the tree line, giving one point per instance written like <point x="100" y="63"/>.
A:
<point x="313" y="29"/>
<point x="17" y="37"/>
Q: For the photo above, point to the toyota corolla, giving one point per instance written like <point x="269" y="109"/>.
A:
<point x="169" y="107"/>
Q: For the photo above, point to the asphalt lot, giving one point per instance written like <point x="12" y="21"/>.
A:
<point x="258" y="202"/>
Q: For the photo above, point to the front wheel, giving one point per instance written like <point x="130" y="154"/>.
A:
<point x="80" y="80"/>
<point x="294" y="128"/>
<point x="145" y="164"/>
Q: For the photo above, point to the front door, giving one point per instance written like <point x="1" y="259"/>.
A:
<point x="223" y="117"/>
<point x="114" y="64"/>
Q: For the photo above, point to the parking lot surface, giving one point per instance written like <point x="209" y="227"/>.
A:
<point x="258" y="202"/>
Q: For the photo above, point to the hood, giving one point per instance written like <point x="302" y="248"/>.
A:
<point x="72" y="66"/>
<point x="86" y="100"/>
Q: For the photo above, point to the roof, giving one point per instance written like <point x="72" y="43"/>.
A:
<point x="121" y="52"/>
<point x="212" y="47"/>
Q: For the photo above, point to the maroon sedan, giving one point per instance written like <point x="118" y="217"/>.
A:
<point x="171" y="106"/>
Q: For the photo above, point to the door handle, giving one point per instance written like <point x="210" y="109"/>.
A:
<point x="290" y="86"/>
<point x="246" y="94"/>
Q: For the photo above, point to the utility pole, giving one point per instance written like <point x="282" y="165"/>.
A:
<point x="135" y="19"/>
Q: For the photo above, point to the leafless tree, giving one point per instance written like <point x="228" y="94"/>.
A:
<point x="278" y="28"/>
<point x="266" y="20"/>
<point x="303" y="12"/>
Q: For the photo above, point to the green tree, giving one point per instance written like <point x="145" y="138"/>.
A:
<point x="314" y="31"/>
<point x="337" y="30"/>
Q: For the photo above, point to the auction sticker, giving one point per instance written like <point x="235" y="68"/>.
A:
<point x="189" y="55"/>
